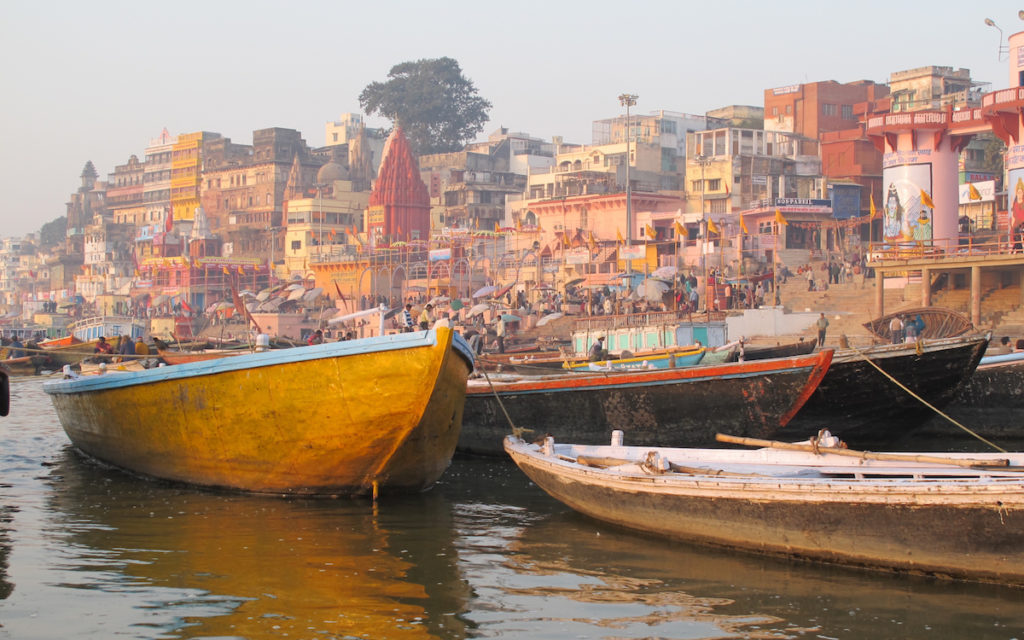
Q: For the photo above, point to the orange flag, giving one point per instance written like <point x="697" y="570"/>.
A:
<point x="926" y="200"/>
<point x="743" y="225"/>
<point x="779" y="218"/>
<point x="680" y="229"/>
<point x="712" y="227"/>
<point x="973" y="191"/>
<point x="874" y="211"/>
<point x="618" y="236"/>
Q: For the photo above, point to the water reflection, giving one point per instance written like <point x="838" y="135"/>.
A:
<point x="542" y="571"/>
<point x="87" y="551"/>
<point x="255" y="567"/>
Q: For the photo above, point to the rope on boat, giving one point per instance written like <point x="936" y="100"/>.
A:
<point x="516" y="431"/>
<point x="922" y="400"/>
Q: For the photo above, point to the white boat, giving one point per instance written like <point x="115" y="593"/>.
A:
<point x="958" y="516"/>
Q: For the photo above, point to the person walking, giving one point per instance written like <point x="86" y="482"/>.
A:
<point x="427" y="317"/>
<point x="822" y="328"/>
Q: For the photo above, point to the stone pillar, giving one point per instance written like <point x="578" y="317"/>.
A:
<point x="879" y="293"/>
<point x="976" y="296"/>
<point x="926" y="287"/>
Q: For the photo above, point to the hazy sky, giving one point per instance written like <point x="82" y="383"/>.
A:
<point x="97" y="80"/>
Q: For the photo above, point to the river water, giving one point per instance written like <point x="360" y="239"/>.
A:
<point x="89" y="552"/>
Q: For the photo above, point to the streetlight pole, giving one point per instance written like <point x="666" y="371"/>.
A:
<point x="628" y="100"/>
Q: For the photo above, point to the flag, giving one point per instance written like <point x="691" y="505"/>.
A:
<point x="226" y="272"/>
<point x="874" y="211"/>
<point x="743" y="225"/>
<point x="680" y="229"/>
<point x="592" y="242"/>
<point x="712" y="227"/>
<point x="341" y="296"/>
<point x="169" y="222"/>
<point x="618" y="237"/>
<point x="779" y="218"/>
<point x="240" y="271"/>
<point x="519" y="225"/>
<point x="186" y="306"/>
<point x="651" y="232"/>
<point x="926" y="200"/>
<point x="975" y="194"/>
<point x="478" y="223"/>
<point x="497" y="229"/>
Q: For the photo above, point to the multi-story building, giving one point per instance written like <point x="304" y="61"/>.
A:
<point x="125" y="193"/>
<point x="934" y="87"/>
<point x="186" y="170"/>
<point x="350" y="129"/>
<point x="156" y="179"/>
<point x="814" y="108"/>
<point x="244" y="188"/>
<point x="468" y="188"/>
<point x="731" y="169"/>
<point x="87" y="201"/>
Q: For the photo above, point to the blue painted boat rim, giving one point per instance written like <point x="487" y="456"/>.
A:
<point x="377" y="344"/>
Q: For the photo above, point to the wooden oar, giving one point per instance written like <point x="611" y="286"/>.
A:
<point x="867" y="455"/>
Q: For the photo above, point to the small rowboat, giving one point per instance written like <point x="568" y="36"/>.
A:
<point x="955" y="516"/>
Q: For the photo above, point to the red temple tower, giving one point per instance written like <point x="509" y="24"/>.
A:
<point x="399" y="207"/>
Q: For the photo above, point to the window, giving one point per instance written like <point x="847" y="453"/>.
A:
<point x="789" y="109"/>
<point x="715" y="184"/>
<point x="695" y="185"/>
<point x="828" y="109"/>
<point x="296" y="245"/>
<point x="775" y="111"/>
<point x="847" y="112"/>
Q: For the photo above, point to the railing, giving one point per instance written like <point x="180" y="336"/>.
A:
<point x="882" y="252"/>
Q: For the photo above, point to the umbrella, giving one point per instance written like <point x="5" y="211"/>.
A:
<point x="312" y="294"/>
<point x="483" y="291"/>
<point x="272" y="304"/>
<point x="295" y="287"/>
<point x="436" y="300"/>
<point x="543" y="287"/>
<point x="652" y="289"/>
<point x="502" y="291"/>
<point x="263" y="296"/>
<point x="478" y="309"/>
<point x="508" y="317"/>
<point x="457" y="304"/>
<point x="667" y="272"/>
<point x="548" y="318"/>
<point x="297" y="293"/>
<point x="573" y="283"/>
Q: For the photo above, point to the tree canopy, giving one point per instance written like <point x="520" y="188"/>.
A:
<point x="436" y="106"/>
<point x="53" y="232"/>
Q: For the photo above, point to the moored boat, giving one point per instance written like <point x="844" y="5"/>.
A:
<point x="336" y="418"/>
<point x="871" y="408"/>
<point x="677" y="407"/>
<point x="956" y="516"/>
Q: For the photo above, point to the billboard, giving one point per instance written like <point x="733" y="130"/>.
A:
<point x="904" y="217"/>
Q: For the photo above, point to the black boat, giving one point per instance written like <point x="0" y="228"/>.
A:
<point x="684" y="406"/>
<point x="870" y="409"/>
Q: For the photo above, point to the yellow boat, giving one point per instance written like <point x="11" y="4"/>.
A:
<point x="337" y="418"/>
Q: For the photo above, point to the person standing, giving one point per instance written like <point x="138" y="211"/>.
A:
<point x="909" y="331"/>
<point x="822" y="327"/>
<point x="427" y="317"/>
<point x="501" y="330"/>
<point x="896" y="330"/>
<point x="597" y="352"/>
<point x="407" y="324"/>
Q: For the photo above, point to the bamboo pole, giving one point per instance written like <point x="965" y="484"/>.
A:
<point x="864" y="455"/>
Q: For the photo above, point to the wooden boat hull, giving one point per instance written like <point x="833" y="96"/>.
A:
<point x="763" y="352"/>
<point x="336" y="418"/>
<point x="938" y="323"/>
<point x="70" y="353"/>
<point x="182" y="357"/>
<point x="671" y="407"/>
<point x="868" y="408"/>
<point x="955" y="529"/>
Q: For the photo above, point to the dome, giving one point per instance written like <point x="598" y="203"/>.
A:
<point x="330" y="172"/>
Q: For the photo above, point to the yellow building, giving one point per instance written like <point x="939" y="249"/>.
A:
<point x="186" y="167"/>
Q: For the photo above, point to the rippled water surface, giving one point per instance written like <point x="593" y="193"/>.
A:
<point x="90" y="552"/>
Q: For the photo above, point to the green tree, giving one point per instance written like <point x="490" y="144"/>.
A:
<point x="993" y="158"/>
<point x="437" y="107"/>
<point x="53" y="232"/>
